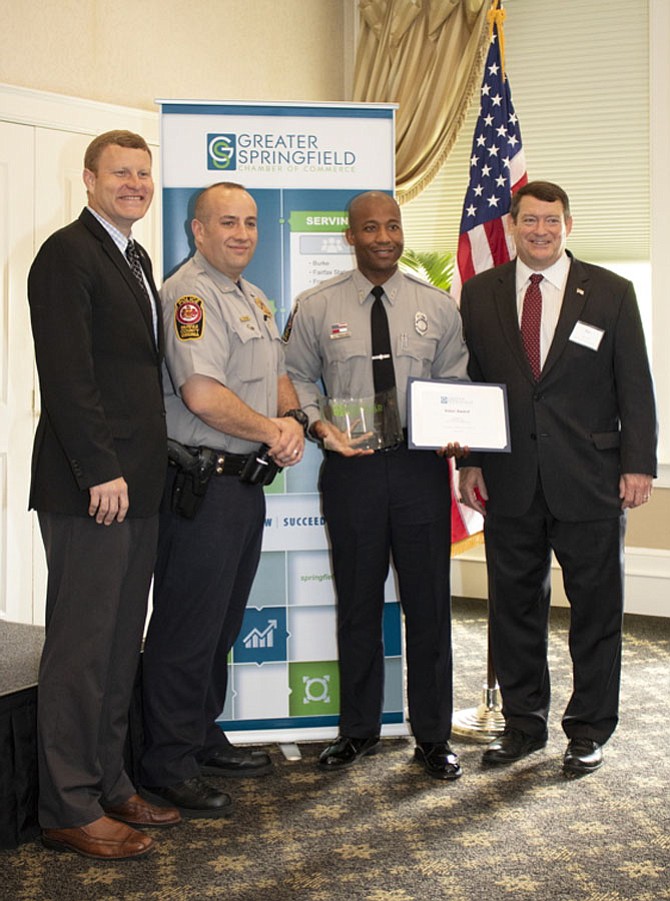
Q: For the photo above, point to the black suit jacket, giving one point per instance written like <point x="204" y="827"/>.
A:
<point x="590" y="417"/>
<point x="99" y="370"/>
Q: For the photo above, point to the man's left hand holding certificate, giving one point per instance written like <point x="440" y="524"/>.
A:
<point x="469" y="414"/>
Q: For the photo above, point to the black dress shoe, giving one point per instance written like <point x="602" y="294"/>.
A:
<point x="438" y="760"/>
<point x="346" y="751"/>
<point x="237" y="762"/>
<point x="193" y="798"/>
<point x="583" y="756"/>
<point x="512" y="745"/>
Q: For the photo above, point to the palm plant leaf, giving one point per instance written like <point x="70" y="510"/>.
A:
<point x="433" y="266"/>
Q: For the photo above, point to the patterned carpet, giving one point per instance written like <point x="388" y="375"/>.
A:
<point x="386" y="832"/>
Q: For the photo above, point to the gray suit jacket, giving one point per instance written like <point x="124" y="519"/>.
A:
<point x="590" y="417"/>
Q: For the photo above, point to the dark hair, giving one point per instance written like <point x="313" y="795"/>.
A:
<point x="200" y="200"/>
<point x="120" y="137"/>
<point x="541" y="190"/>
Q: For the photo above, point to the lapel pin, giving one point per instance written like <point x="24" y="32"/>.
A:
<point x="580" y="290"/>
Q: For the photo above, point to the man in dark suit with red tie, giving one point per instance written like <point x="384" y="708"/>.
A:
<point x="565" y="337"/>
<point x="99" y="464"/>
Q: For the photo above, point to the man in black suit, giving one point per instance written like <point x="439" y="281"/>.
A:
<point x="99" y="463"/>
<point x="566" y="339"/>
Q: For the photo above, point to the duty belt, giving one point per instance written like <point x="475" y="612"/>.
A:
<point x="226" y="464"/>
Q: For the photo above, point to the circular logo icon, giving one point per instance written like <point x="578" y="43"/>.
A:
<point x="189" y="312"/>
<point x="221" y="151"/>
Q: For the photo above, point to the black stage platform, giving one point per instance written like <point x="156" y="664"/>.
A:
<point x="20" y="650"/>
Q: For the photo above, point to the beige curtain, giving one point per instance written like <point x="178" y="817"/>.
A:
<point x="427" y="56"/>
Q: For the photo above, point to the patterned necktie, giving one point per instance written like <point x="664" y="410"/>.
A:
<point x="531" y="318"/>
<point x="383" y="372"/>
<point x="133" y="258"/>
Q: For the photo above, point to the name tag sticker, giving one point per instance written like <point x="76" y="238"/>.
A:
<point x="587" y="335"/>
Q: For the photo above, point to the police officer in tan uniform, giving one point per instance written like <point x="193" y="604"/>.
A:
<point x="393" y="500"/>
<point x="227" y="392"/>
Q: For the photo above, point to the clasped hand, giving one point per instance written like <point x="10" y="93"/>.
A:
<point x="289" y="445"/>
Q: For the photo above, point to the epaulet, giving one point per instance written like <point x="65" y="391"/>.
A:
<point x="250" y="287"/>
<point x="328" y="283"/>
<point x="413" y="277"/>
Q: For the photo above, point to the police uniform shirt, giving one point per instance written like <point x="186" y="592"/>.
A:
<point x="329" y="337"/>
<point x="223" y="330"/>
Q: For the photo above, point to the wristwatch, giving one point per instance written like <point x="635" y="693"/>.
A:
<point x="299" y="416"/>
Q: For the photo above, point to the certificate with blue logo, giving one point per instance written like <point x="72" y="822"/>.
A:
<point x="474" y="414"/>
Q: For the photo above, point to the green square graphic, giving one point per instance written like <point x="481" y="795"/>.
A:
<point x="315" y="688"/>
<point x="278" y="486"/>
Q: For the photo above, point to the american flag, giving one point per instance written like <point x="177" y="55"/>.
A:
<point x="497" y="169"/>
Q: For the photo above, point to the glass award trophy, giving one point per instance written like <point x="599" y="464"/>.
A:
<point x="369" y="423"/>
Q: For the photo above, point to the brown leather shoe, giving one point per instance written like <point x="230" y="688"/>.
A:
<point x="138" y="812"/>
<point x="103" y="839"/>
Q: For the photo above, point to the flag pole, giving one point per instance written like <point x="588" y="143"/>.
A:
<point x="497" y="169"/>
<point x="486" y="721"/>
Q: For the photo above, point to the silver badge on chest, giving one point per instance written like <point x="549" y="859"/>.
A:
<point x="421" y="323"/>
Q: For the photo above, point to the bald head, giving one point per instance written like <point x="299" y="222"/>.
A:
<point x="361" y="203"/>
<point x="207" y="198"/>
<point x="375" y="233"/>
<point x="225" y="227"/>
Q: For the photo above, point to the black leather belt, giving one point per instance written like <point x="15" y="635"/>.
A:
<point x="227" y="464"/>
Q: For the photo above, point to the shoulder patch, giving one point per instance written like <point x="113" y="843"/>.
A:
<point x="289" y="322"/>
<point x="189" y="317"/>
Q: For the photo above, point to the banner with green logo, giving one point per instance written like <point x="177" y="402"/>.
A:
<point x="302" y="163"/>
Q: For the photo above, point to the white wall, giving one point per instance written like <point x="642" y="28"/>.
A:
<point x="131" y="52"/>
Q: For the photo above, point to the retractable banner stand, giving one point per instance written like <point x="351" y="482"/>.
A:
<point x="302" y="163"/>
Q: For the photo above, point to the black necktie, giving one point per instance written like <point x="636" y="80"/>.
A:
<point x="382" y="359"/>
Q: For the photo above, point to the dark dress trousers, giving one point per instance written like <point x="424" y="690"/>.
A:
<point x="392" y="502"/>
<point x="589" y="418"/>
<point x="102" y="418"/>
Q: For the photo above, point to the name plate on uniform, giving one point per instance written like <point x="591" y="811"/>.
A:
<point x="442" y="412"/>
<point x="367" y="423"/>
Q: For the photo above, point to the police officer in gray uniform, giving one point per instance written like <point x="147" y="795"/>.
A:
<point x="232" y="414"/>
<point x="394" y="500"/>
